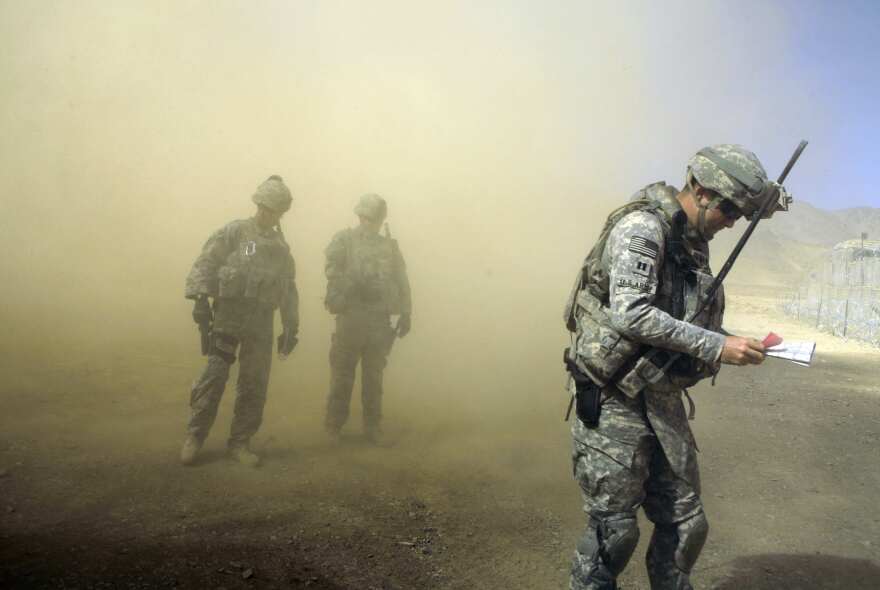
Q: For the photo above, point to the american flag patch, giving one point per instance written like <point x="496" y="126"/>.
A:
<point x="643" y="246"/>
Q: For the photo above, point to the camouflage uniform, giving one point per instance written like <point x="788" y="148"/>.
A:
<point x="647" y="273"/>
<point x="366" y="284"/>
<point x="250" y="272"/>
<point x="643" y="452"/>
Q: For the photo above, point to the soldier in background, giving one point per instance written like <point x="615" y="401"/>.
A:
<point x="366" y="284"/>
<point x="632" y="443"/>
<point x="248" y="270"/>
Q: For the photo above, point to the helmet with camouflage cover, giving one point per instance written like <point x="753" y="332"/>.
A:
<point x="371" y="206"/>
<point x="273" y="194"/>
<point x="734" y="173"/>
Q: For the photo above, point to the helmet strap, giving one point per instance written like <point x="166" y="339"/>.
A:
<point x="701" y="214"/>
<point x="714" y="203"/>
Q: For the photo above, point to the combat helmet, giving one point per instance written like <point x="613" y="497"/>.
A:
<point x="273" y="194"/>
<point x="736" y="174"/>
<point x="371" y="206"/>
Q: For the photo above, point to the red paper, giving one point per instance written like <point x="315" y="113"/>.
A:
<point x="771" y="339"/>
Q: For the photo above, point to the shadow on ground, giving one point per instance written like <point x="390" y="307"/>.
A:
<point x="796" y="572"/>
<point x="53" y="561"/>
<point x="232" y="554"/>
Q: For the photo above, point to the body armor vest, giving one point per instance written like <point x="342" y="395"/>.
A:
<point x="371" y="273"/>
<point x="600" y="350"/>
<point x="258" y="268"/>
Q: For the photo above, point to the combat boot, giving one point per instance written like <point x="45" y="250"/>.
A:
<point x="190" y="450"/>
<point x="243" y="455"/>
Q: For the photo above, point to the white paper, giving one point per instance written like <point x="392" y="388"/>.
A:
<point x="799" y="352"/>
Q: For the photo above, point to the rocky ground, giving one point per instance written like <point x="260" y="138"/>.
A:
<point x="466" y="494"/>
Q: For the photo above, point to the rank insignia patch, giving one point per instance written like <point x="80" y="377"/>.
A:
<point x="643" y="268"/>
<point x="644" y="247"/>
<point x="250" y="248"/>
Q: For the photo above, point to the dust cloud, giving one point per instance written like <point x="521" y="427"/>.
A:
<point x="499" y="137"/>
<point x="501" y="134"/>
<point x="132" y="132"/>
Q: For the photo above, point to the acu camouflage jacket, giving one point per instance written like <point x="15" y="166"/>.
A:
<point x="365" y="271"/>
<point x="648" y="272"/>
<point x="245" y="262"/>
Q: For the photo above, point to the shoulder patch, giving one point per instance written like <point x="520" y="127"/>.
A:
<point x="644" y="246"/>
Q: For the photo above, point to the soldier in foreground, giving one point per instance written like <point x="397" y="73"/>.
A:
<point x="637" y="291"/>
<point x="366" y="285"/>
<point x="248" y="270"/>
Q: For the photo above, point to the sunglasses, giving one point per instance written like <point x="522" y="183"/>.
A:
<point x="730" y="210"/>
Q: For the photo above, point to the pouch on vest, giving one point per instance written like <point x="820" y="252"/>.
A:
<point x="252" y="288"/>
<point x="647" y="372"/>
<point x="601" y="349"/>
<point x="265" y="286"/>
<point x="712" y="317"/>
<point x="231" y="282"/>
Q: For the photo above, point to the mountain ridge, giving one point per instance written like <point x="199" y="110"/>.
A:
<point x="785" y="248"/>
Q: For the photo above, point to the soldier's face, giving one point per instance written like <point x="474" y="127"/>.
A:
<point x="372" y="225"/>
<point x="267" y="217"/>
<point x="718" y="218"/>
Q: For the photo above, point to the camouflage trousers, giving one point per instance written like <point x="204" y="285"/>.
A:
<point x="620" y="466"/>
<point x="248" y="331"/>
<point x="361" y="337"/>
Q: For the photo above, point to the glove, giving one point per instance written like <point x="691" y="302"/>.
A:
<point x="404" y="323"/>
<point x="287" y="342"/>
<point x="202" y="311"/>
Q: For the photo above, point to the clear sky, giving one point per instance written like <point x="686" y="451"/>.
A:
<point x="779" y="71"/>
<point x="838" y="50"/>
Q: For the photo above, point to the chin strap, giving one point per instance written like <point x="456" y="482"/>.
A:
<point x="702" y="210"/>
<point x="701" y="215"/>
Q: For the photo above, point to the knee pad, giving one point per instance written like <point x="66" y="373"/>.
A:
<point x="611" y="541"/>
<point x="692" y="535"/>
<point x="678" y="545"/>
<point x="619" y="539"/>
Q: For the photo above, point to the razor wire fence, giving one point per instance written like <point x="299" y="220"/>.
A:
<point x="842" y="295"/>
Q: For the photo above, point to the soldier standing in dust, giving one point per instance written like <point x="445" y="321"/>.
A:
<point x="248" y="269"/>
<point x="366" y="284"/>
<point x="632" y="442"/>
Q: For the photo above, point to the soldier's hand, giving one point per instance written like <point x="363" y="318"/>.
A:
<point x="202" y="311"/>
<point x="742" y="351"/>
<point x="404" y="323"/>
<point x="287" y="341"/>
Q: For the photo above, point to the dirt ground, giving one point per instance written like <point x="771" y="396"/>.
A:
<point x="469" y="493"/>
